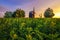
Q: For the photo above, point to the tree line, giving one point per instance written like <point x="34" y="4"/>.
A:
<point x="19" y="13"/>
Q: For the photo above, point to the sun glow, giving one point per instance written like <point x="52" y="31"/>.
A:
<point x="57" y="15"/>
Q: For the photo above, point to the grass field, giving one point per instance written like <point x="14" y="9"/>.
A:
<point x="29" y="29"/>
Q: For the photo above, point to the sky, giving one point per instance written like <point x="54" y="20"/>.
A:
<point x="27" y="5"/>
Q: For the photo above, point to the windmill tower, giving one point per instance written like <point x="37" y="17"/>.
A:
<point x="33" y="14"/>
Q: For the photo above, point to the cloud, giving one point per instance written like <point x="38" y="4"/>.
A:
<point x="2" y="11"/>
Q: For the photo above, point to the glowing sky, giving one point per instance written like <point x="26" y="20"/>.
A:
<point x="27" y="5"/>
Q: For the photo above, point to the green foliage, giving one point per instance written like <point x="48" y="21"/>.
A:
<point x="19" y="13"/>
<point x="16" y="14"/>
<point x="8" y="14"/>
<point x="29" y="29"/>
<point x="49" y="13"/>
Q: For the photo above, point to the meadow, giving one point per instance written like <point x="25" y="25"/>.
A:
<point x="29" y="29"/>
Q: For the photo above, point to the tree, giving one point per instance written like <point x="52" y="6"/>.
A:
<point x="19" y="13"/>
<point x="8" y="14"/>
<point x="49" y="13"/>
